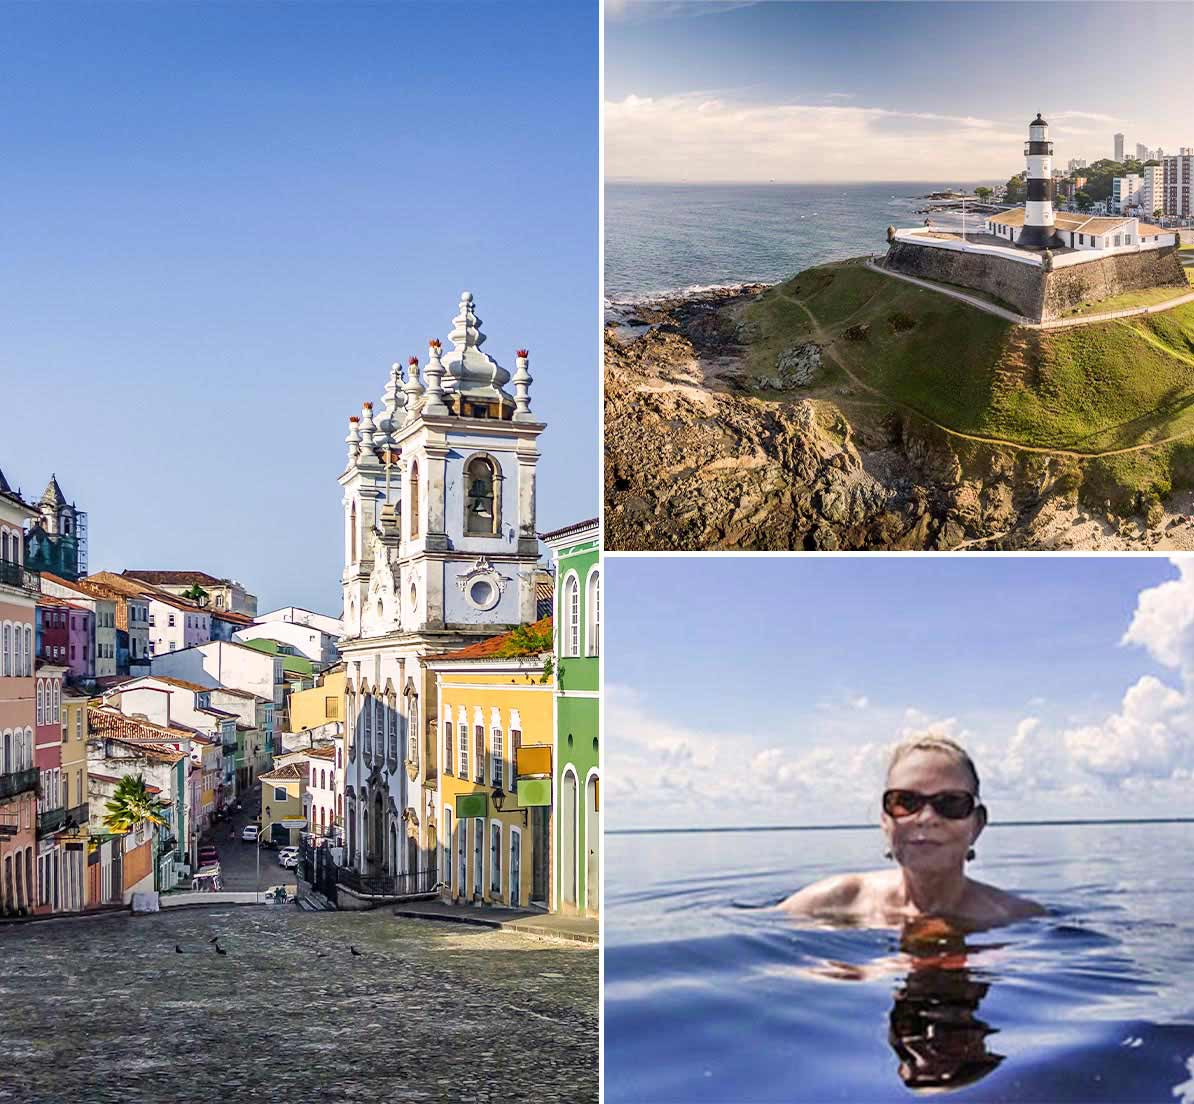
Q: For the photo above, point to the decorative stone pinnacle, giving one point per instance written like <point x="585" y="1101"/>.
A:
<point x="434" y="401"/>
<point x="522" y="388"/>
<point x="414" y="390"/>
<point x="353" y="440"/>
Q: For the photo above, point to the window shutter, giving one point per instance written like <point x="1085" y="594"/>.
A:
<point x="479" y="766"/>
<point x="515" y="744"/>
<point x="447" y="747"/>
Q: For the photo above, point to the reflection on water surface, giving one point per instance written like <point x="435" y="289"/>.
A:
<point x="707" y="1000"/>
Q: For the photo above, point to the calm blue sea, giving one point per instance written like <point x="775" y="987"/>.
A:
<point x="662" y="239"/>
<point x="709" y="997"/>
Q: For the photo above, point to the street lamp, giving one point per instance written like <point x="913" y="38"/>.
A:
<point x="499" y="800"/>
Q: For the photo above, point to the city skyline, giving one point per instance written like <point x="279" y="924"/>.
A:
<point x="702" y="93"/>
<point x="773" y="696"/>
<point x="225" y="223"/>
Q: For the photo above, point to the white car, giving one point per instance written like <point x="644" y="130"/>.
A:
<point x="249" y="833"/>
<point x="288" y="857"/>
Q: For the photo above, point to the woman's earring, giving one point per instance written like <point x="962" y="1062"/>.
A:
<point x="970" y="854"/>
<point x="887" y="853"/>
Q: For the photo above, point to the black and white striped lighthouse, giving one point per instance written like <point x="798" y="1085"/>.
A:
<point x="1038" y="211"/>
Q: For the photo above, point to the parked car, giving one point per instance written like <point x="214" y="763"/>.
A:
<point x="249" y="833"/>
<point x="288" y="857"/>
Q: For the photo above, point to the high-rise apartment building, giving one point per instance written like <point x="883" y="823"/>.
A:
<point x="1119" y="147"/>
<point x="1178" y="172"/>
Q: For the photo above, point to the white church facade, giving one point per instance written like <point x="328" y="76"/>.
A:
<point x="439" y="552"/>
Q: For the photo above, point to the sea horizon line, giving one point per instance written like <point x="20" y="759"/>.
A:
<point x="858" y="827"/>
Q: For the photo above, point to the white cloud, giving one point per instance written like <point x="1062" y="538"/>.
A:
<point x="1164" y="620"/>
<point x="693" y="137"/>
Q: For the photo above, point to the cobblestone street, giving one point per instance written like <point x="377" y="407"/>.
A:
<point x="106" y="1009"/>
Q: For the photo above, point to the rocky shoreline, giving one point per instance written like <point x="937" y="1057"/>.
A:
<point x="703" y="453"/>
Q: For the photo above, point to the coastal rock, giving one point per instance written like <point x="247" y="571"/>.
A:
<point x="700" y="454"/>
<point x="795" y="367"/>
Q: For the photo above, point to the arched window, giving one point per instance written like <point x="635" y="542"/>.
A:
<point x="57" y="717"/>
<point x="4" y="545"/>
<point x="8" y="649"/>
<point x="366" y="724"/>
<point x="323" y="780"/>
<point x="414" y="499"/>
<point x="41" y="702"/>
<point x="412" y="730"/>
<point x="352" y="524"/>
<point x="571" y="617"/>
<point x="28" y="650"/>
<point x="593" y="613"/>
<point x="482" y="508"/>
<point x="448" y="745"/>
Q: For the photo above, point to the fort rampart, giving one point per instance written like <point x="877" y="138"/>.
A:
<point x="1032" y="291"/>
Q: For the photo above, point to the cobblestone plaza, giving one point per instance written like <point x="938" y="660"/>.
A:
<point x="107" y="1009"/>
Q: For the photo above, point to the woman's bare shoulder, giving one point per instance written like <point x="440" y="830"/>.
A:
<point x="1007" y="907"/>
<point x="841" y="893"/>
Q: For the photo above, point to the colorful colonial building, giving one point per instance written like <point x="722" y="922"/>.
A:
<point x="494" y="702"/>
<point x="18" y="771"/>
<point x="577" y="761"/>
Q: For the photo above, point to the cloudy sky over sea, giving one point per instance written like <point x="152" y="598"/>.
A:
<point x="770" y="691"/>
<point x="795" y="92"/>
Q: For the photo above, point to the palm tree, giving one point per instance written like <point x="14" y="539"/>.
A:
<point x="132" y="803"/>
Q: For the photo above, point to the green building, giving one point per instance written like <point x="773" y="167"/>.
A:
<point x="576" y="761"/>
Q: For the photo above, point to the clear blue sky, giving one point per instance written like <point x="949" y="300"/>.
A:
<point x="777" y="87"/>
<point x="720" y="671"/>
<point x="222" y="223"/>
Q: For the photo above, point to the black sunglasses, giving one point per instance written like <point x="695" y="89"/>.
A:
<point x="951" y="804"/>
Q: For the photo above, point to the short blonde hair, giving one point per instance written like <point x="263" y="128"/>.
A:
<point x="943" y="744"/>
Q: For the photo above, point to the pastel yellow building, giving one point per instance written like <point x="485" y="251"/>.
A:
<point x="282" y="792"/>
<point x="493" y="698"/>
<point x="323" y="704"/>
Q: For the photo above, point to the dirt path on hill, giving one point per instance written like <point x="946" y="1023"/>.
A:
<point x="825" y="342"/>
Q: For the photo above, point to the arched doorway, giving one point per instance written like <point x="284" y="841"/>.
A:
<point x="593" y="845"/>
<point x="568" y="811"/>
<point x="378" y="844"/>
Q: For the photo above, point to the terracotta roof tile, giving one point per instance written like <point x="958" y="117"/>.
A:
<point x="177" y="578"/>
<point x="489" y="647"/>
<point x="292" y="772"/>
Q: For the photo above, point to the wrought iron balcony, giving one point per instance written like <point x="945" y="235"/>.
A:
<point x="78" y="815"/>
<point x="50" y="821"/>
<point x="15" y="783"/>
<point x="15" y="574"/>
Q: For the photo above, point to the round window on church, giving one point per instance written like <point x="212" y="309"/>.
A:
<point x="483" y="594"/>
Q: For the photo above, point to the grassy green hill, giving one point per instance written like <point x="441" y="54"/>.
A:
<point x="1088" y="390"/>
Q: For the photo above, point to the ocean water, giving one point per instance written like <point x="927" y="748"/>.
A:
<point x="710" y="997"/>
<point x="663" y="239"/>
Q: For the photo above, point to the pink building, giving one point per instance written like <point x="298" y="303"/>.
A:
<point x="81" y="637"/>
<point x="18" y="771"/>
<point x="51" y="809"/>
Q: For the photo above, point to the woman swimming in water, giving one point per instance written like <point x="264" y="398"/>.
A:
<point x="932" y="818"/>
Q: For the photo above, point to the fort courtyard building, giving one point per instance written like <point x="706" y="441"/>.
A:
<point x="1040" y="262"/>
